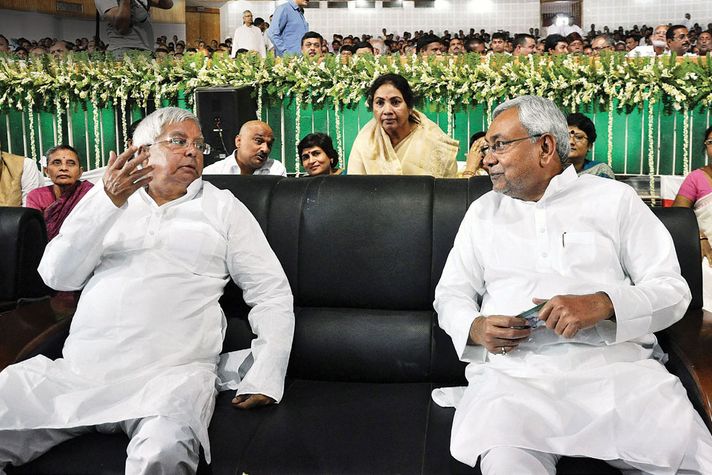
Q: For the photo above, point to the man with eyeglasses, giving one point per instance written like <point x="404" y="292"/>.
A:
<point x="602" y="43"/>
<point x="678" y="41"/>
<point x="152" y="249"/>
<point x="552" y="292"/>
<point x="251" y="156"/>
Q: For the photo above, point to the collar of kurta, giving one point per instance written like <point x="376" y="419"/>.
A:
<point x="192" y="190"/>
<point x="560" y="182"/>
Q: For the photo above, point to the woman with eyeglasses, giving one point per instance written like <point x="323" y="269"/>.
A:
<point x="582" y="135"/>
<point x="696" y="193"/>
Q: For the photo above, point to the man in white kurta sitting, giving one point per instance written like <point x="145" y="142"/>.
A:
<point x="153" y="249"/>
<point x="251" y="156"/>
<point x="248" y="37"/>
<point x="584" y="377"/>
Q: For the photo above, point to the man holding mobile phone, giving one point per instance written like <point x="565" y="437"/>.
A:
<point x="128" y="24"/>
<point x="582" y="374"/>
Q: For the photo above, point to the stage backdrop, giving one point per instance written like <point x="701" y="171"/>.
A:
<point x="650" y="114"/>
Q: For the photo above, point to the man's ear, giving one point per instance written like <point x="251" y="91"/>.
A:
<point x="548" y="149"/>
<point x="237" y="141"/>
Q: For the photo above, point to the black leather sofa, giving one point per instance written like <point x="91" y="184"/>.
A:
<point x="22" y="238"/>
<point x="363" y="256"/>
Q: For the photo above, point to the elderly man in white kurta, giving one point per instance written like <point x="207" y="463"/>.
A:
<point x="584" y="378"/>
<point x="248" y="36"/>
<point x="153" y="249"/>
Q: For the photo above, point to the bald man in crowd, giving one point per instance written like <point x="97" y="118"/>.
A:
<point x="251" y="156"/>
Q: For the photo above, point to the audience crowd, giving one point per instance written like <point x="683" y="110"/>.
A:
<point x="644" y="40"/>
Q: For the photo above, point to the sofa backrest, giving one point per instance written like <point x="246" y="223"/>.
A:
<point x="363" y="256"/>
<point x="23" y="237"/>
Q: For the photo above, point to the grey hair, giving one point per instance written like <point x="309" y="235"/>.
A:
<point x="151" y="127"/>
<point x="541" y="116"/>
<point x="610" y="42"/>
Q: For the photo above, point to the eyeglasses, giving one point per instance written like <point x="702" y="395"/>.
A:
<point x="708" y="142"/>
<point x="176" y="143"/>
<point x="500" y="146"/>
<point x="578" y="137"/>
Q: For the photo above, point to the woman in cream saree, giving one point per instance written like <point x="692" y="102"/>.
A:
<point x="400" y="140"/>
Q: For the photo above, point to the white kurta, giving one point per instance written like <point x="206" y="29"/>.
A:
<point x="229" y="166"/>
<point x="249" y="38"/>
<point x="148" y="329"/>
<point x="602" y="394"/>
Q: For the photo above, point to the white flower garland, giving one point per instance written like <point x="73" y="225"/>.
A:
<point x="339" y="139"/>
<point x="449" y="117"/>
<point x="685" y="141"/>
<point x="297" y="132"/>
<point x="124" y="125"/>
<point x="58" y="107"/>
<point x="651" y="149"/>
<point x="259" y="102"/>
<point x="488" y="112"/>
<point x="31" y="106"/>
<point x="97" y="138"/>
<point x="609" y="155"/>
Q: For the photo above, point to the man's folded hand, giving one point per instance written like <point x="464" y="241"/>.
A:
<point x="249" y="401"/>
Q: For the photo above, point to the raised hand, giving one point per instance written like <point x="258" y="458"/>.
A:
<point x="123" y="175"/>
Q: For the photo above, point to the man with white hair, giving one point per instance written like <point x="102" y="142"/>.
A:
<point x="659" y="46"/>
<point x="379" y="46"/>
<point x="248" y="36"/>
<point x="581" y="373"/>
<point x="152" y="249"/>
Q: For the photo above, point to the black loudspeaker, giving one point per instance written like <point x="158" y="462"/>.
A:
<point x="221" y="112"/>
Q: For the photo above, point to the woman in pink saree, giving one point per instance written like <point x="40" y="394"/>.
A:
<point x="696" y="193"/>
<point x="57" y="200"/>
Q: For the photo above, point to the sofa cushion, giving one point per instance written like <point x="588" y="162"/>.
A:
<point x="344" y="428"/>
<point x="347" y="344"/>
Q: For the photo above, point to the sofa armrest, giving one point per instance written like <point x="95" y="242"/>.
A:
<point x="33" y="328"/>
<point x="689" y="346"/>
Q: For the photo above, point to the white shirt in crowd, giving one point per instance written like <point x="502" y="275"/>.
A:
<point x="229" y="166"/>
<point x="601" y="394"/>
<point x="564" y="30"/>
<point x="146" y="336"/>
<point x="249" y="38"/>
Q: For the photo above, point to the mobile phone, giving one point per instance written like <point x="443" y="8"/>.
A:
<point x="532" y="317"/>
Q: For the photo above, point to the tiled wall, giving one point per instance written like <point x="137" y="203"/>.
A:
<point x="627" y="13"/>
<point x="511" y="15"/>
<point x="449" y="15"/>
